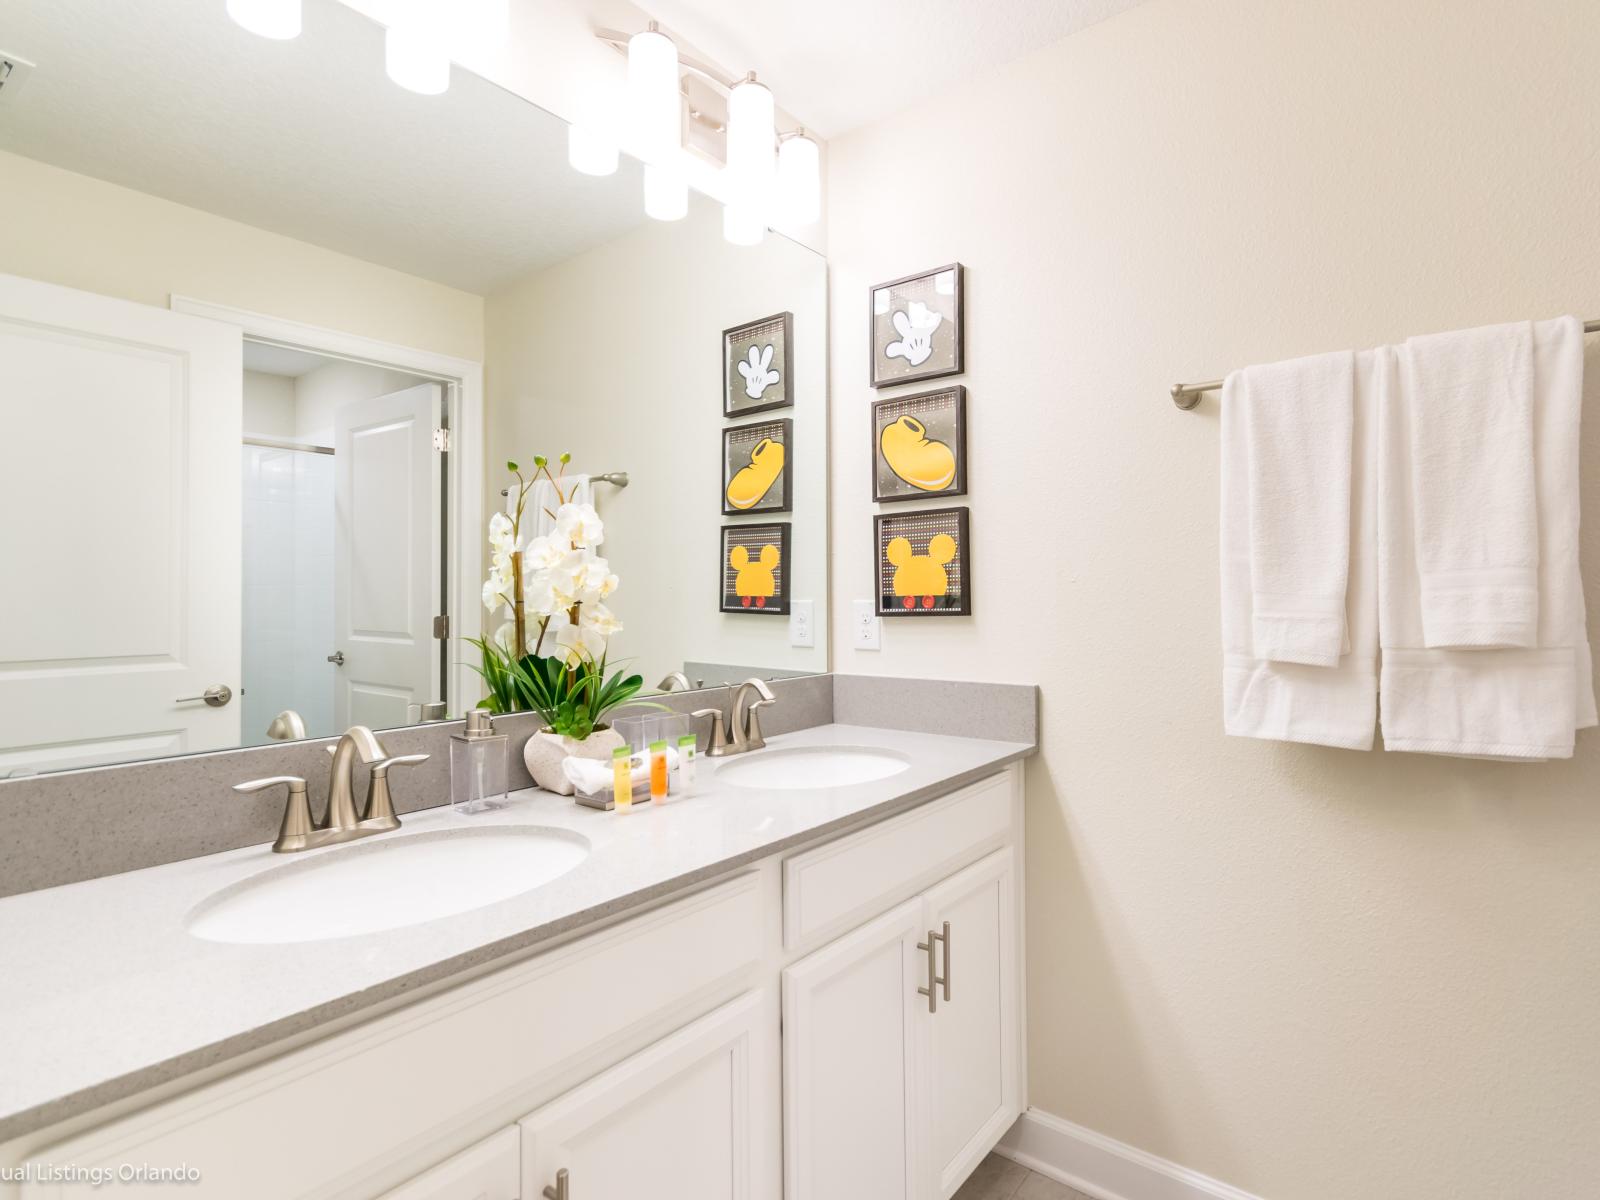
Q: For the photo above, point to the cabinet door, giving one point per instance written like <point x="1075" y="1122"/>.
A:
<point x="491" y="1170"/>
<point x="680" y="1120"/>
<point x="850" y="1059"/>
<point x="972" y="1061"/>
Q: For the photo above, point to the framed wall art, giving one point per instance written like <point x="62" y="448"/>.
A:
<point x="923" y="563"/>
<point x="758" y="365"/>
<point x="755" y="569"/>
<point x="916" y="327"/>
<point x="919" y="445"/>
<point x="757" y="470"/>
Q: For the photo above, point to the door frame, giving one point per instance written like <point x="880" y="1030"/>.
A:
<point x="463" y="380"/>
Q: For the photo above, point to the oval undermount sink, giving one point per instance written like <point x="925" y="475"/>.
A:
<point x="386" y="883"/>
<point x="812" y="768"/>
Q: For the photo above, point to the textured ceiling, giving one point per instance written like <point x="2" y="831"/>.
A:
<point x="836" y="64"/>
<point x="306" y="138"/>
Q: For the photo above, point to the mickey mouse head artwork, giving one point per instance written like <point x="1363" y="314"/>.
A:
<point x="924" y="569"/>
<point x="920" y="575"/>
<point x="753" y="581"/>
<point x="755" y="569"/>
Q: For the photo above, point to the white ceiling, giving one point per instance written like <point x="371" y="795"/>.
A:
<point x="836" y="64"/>
<point x="306" y="138"/>
<point x="281" y="360"/>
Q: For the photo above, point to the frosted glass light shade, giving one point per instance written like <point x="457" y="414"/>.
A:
<point x="278" y="19"/>
<point x="655" y="105"/>
<point x="666" y="193"/>
<point x="415" y="51"/>
<point x="742" y="226"/>
<point x="590" y="152"/>
<point x="752" y="132"/>
<point x="800" y="180"/>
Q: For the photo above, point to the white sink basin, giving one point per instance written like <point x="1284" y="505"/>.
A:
<point x="811" y="768"/>
<point x="386" y="883"/>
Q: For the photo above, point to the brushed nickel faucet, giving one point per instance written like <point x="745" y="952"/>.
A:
<point x="744" y="723"/>
<point x="340" y="822"/>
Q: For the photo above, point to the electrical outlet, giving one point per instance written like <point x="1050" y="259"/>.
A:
<point x="801" y="629"/>
<point x="868" y="627"/>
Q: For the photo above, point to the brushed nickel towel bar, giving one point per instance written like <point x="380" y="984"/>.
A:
<point x="1187" y="395"/>
<point x="614" y="478"/>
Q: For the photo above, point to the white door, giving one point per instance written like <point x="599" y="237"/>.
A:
<point x="119" y="529"/>
<point x="490" y="1170"/>
<point x="680" y="1120"/>
<point x="972" y="1074"/>
<point x="387" y="557"/>
<point x="851" y="1033"/>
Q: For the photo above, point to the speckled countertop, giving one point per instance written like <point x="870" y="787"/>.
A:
<point x="107" y="994"/>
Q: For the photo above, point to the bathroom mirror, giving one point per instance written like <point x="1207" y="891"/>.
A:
<point x="270" y="329"/>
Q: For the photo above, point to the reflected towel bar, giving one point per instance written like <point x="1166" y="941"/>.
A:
<point x="614" y="478"/>
<point x="1187" y="395"/>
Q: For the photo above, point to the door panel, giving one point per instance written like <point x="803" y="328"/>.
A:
<point x="491" y="1170"/>
<point x="678" y="1121"/>
<point x="973" y="1035"/>
<point x="851" y="1063"/>
<point x="122" y="592"/>
<point x="387" y="556"/>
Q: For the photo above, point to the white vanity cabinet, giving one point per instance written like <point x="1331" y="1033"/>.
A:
<point x="491" y="1170"/>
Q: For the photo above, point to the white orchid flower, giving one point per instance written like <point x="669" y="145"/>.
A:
<point x="600" y="619"/>
<point x="542" y="553"/>
<point x="496" y="592"/>
<point x="579" y="643"/>
<point x="502" y="536"/>
<point x="580" y="525"/>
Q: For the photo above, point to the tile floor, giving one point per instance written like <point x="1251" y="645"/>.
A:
<point x="1001" y="1179"/>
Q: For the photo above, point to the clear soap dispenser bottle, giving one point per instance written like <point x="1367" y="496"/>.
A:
<point x="478" y="765"/>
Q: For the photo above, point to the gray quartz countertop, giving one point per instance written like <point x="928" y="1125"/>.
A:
<point x="107" y="993"/>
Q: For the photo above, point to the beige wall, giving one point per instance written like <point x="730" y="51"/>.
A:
<point x="84" y="233"/>
<point x="614" y="355"/>
<point x="1314" y="974"/>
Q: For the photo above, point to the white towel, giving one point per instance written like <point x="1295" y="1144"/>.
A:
<point x="1297" y="418"/>
<point x="538" y="514"/>
<point x="592" y="776"/>
<point x="1469" y="398"/>
<point x="1518" y="703"/>
<point x="1329" y="706"/>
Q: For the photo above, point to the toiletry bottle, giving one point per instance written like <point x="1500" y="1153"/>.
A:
<point x="478" y="765"/>
<point x="622" y="779"/>
<point x="686" y="763"/>
<point x="658" y="772"/>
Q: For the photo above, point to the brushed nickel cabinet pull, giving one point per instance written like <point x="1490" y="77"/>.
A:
<point x="559" y="1192"/>
<point x="944" y="980"/>
<point x="932" y="990"/>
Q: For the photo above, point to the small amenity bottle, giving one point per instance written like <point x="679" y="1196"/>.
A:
<point x="478" y="765"/>
<point x="658" y="772"/>
<point x="686" y="763"/>
<point x="622" y="779"/>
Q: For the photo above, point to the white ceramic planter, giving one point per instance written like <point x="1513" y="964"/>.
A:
<point x="545" y="751"/>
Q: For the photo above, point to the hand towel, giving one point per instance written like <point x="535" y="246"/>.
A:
<point x="1293" y="702"/>
<point x="1297" y="418"/>
<point x="538" y="513"/>
<point x="1519" y="703"/>
<point x="592" y="776"/>
<point x="1469" y="398"/>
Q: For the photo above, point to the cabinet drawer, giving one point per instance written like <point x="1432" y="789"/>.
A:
<point x="841" y="884"/>
<point x="424" y="1080"/>
<point x="491" y="1170"/>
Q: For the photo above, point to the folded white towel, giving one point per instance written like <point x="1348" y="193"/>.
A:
<point x="592" y="775"/>
<point x="1297" y="418"/>
<point x="1329" y="706"/>
<point x="1469" y="399"/>
<point x="1519" y="703"/>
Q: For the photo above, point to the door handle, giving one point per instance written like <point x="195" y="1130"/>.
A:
<point x="216" y="697"/>
<point x="337" y="658"/>
<point x="932" y="990"/>
<point x="559" y="1192"/>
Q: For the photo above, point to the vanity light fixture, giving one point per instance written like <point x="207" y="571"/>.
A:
<point x="277" y="19"/>
<point x="415" y="53"/>
<point x="666" y="193"/>
<point x="655" y="96"/>
<point x="799" y="178"/>
<point x="752" y="141"/>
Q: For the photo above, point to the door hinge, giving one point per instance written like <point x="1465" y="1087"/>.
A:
<point x="441" y="627"/>
<point x="441" y="440"/>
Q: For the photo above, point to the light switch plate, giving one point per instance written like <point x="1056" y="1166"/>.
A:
<point x="868" y="626"/>
<point x="802" y="630"/>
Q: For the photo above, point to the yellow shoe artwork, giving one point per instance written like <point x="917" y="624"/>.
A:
<point x="915" y="458"/>
<point x="751" y="483"/>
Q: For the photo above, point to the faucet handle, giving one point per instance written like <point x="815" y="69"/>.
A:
<point x="380" y="803"/>
<point x="296" y="824"/>
<point x="753" y="739"/>
<point x="719" y="736"/>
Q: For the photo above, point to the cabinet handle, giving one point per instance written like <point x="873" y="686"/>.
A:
<point x="559" y="1192"/>
<point x="932" y="990"/>
<point x="944" y="980"/>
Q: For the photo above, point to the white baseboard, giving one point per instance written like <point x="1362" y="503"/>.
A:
<point x="1104" y="1167"/>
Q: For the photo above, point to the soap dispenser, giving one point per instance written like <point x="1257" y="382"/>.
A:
<point x="478" y="765"/>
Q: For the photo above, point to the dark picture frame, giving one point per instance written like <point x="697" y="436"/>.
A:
<point x="737" y="340"/>
<point x="903" y="461"/>
<point x="882" y="332"/>
<point x="907" y="580"/>
<point x="741" y="442"/>
<point x="754" y="538"/>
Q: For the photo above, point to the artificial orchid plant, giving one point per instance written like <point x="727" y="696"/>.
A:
<point x="549" y="653"/>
